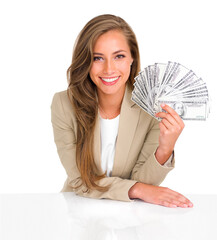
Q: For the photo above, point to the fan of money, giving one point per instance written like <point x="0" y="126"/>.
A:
<point x="174" y="85"/>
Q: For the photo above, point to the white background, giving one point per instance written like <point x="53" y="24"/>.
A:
<point x="37" y="38"/>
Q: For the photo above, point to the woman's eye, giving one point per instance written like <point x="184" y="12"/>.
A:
<point x="97" y="59"/>
<point x="120" y="56"/>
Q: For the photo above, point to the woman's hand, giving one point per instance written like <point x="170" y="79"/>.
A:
<point x="159" y="195"/>
<point x="171" y="127"/>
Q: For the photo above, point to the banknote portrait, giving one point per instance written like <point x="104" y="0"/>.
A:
<point x="179" y="107"/>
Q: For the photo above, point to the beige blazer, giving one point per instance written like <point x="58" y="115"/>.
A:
<point x="136" y="144"/>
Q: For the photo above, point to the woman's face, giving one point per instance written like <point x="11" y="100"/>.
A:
<point x="111" y="64"/>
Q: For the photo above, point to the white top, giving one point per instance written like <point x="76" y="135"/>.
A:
<point x="109" y="132"/>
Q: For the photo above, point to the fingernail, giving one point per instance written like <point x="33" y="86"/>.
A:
<point x="162" y="105"/>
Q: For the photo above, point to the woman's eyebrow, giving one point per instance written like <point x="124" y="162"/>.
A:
<point x="101" y="54"/>
<point x="119" y="51"/>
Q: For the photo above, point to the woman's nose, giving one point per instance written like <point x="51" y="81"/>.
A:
<point x="109" y="67"/>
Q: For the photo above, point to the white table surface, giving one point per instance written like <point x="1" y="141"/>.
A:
<point x="64" y="216"/>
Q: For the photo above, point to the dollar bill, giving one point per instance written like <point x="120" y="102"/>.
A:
<point x="188" y="109"/>
<point x="171" y="83"/>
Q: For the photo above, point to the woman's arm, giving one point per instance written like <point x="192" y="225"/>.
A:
<point x="171" y="127"/>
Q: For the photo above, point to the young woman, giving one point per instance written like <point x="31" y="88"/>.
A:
<point x="109" y="147"/>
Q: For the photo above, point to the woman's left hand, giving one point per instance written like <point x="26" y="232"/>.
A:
<point x="171" y="127"/>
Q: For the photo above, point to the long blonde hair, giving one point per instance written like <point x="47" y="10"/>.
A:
<point x="82" y="91"/>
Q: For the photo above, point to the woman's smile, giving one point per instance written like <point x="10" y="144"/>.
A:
<point x="109" y="80"/>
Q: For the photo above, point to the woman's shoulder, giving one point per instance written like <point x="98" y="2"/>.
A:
<point x="61" y="101"/>
<point x="61" y="96"/>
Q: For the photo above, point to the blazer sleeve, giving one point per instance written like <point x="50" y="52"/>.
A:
<point x="64" y="137"/>
<point x="147" y="169"/>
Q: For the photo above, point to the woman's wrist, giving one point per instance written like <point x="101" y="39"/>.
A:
<point x="162" y="155"/>
<point x="134" y="191"/>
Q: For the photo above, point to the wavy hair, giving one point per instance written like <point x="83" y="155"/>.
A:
<point x="82" y="91"/>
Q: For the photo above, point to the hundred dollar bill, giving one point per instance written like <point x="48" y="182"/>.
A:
<point x="174" y="84"/>
<point x="187" y="109"/>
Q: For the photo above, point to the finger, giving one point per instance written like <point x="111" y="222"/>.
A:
<point x="184" y="205"/>
<point x="167" y="116"/>
<point x="172" y="112"/>
<point x="176" y="194"/>
<point x="180" y="204"/>
<point x="185" y="201"/>
<point x="162" y="127"/>
<point x="178" y="197"/>
<point x="168" y="204"/>
<point x="171" y="200"/>
<point x="166" y="123"/>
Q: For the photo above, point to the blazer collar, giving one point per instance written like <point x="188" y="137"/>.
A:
<point x="129" y="116"/>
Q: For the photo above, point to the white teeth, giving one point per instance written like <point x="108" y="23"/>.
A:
<point x="110" y="79"/>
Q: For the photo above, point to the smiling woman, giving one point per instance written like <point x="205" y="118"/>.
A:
<point x="108" y="146"/>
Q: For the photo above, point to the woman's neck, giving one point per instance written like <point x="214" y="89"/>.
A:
<point x="110" y="104"/>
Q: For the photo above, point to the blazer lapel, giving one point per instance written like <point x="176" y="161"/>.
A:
<point x="129" y="117"/>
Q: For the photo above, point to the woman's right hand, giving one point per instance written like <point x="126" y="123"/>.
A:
<point x="159" y="195"/>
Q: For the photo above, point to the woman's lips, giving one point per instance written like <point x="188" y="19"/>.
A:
<point x="109" y="81"/>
